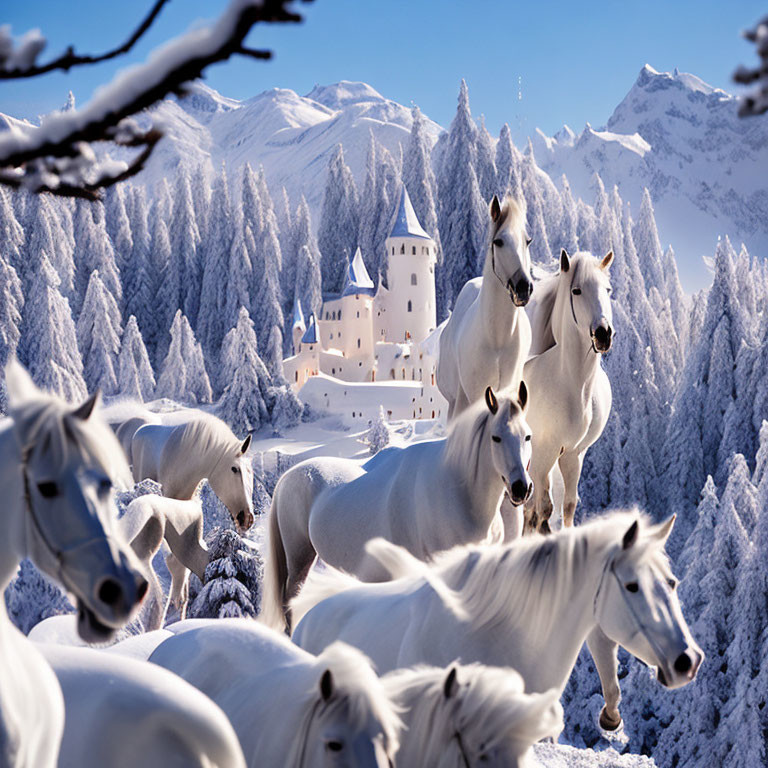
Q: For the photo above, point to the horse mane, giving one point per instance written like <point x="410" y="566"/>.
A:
<point x="513" y="214"/>
<point x="545" y="314"/>
<point x="465" y="434"/>
<point x="359" y="691"/>
<point x="537" y="569"/>
<point x="46" y="420"/>
<point x="490" y="706"/>
<point x="319" y="585"/>
<point x="204" y="435"/>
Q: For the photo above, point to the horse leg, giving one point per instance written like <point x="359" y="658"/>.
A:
<point x="541" y="466"/>
<point x="513" y="519"/>
<point x="603" y="651"/>
<point x="179" y="596"/>
<point x="570" y="468"/>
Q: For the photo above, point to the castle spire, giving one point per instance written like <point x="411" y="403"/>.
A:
<point x="405" y="222"/>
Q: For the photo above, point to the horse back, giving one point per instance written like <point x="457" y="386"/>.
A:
<point x="147" y="445"/>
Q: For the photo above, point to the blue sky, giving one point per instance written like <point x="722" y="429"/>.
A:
<point x="575" y="61"/>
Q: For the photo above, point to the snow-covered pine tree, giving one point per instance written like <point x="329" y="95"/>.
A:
<point x="49" y="343"/>
<point x="339" y="223"/>
<point x="39" y="229"/>
<point x="119" y="226"/>
<point x="419" y="178"/>
<point x="32" y="597"/>
<point x="139" y="280"/>
<point x="508" y="161"/>
<point x="166" y="300"/>
<point x="11" y="306"/>
<point x="11" y="231"/>
<point x="646" y="238"/>
<point x="135" y="375"/>
<point x="287" y="410"/>
<point x="240" y="277"/>
<point x="242" y="405"/>
<point x="462" y="213"/>
<point x="183" y="375"/>
<point x="184" y="267"/>
<point x="98" y="336"/>
<point x="251" y="205"/>
<point x="570" y="221"/>
<point x="486" y="164"/>
<point x="201" y="201"/>
<point x="211" y="324"/>
<point x="377" y="436"/>
<point x="537" y="218"/>
<point x="308" y="285"/>
<point x="232" y="586"/>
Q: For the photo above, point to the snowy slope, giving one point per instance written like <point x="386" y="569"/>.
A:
<point x="681" y="138"/>
<point x="291" y="136"/>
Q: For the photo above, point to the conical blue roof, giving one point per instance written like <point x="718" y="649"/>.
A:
<point x="358" y="280"/>
<point x="298" y="316"/>
<point x="310" y="335"/>
<point x="405" y="223"/>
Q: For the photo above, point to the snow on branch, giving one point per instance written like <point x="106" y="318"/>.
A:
<point x="58" y="157"/>
<point x="20" y="62"/>
<point x="757" y="102"/>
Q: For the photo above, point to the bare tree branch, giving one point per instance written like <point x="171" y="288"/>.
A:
<point x="57" y="157"/>
<point x="70" y="59"/>
<point x="756" y="102"/>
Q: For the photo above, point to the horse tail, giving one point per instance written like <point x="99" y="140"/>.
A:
<point x="320" y="584"/>
<point x="400" y="563"/>
<point x="273" y="599"/>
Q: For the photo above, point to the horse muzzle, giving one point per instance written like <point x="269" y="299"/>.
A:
<point x="244" y="520"/>
<point x="520" y="292"/>
<point x="683" y="670"/>
<point x="602" y="338"/>
<point x="518" y="492"/>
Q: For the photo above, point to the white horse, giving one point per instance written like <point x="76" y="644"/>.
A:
<point x="287" y="707"/>
<point x="185" y="448"/>
<point x="529" y="605"/>
<point x="148" y="521"/>
<point x="57" y="467"/>
<point x="470" y="715"/>
<point x="570" y="392"/>
<point x="426" y="497"/>
<point x="122" y="713"/>
<point x="487" y="337"/>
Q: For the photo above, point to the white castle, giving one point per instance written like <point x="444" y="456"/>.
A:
<point x="369" y="348"/>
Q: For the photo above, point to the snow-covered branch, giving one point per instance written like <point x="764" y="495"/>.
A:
<point x="756" y="103"/>
<point x="58" y="157"/>
<point x="19" y="61"/>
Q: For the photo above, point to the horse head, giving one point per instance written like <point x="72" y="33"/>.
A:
<point x="510" y="438"/>
<point x="232" y="482"/>
<point x="353" y="723"/>
<point x="70" y="460"/>
<point x="589" y="296"/>
<point x="510" y="249"/>
<point x="493" y="721"/>
<point x="636" y="605"/>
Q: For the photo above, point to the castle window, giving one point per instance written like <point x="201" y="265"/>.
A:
<point x="403" y="372"/>
<point x="391" y="375"/>
<point x="413" y="278"/>
<point x="413" y="374"/>
<point x="393" y="250"/>
<point x="339" y="314"/>
<point x="296" y="376"/>
<point x="410" y="306"/>
<point x="360" y="364"/>
<point x="333" y="371"/>
<point x="326" y="315"/>
<point x="402" y="248"/>
<point x="414" y="250"/>
<point x="433" y="414"/>
<point x="433" y="379"/>
<point x="358" y="343"/>
<point x="358" y="314"/>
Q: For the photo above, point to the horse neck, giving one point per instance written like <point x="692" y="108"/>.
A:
<point x="474" y="473"/>
<point x="572" y="346"/>
<point x="13" y="526"/>
<point x="498" y="312"/>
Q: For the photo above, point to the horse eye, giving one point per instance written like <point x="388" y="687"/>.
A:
<point x="498" y="242"/>
<point x="495" y="438"/>
<point x="609" y="291"/>
<point x="672" y="583"/>
<point x="576" y="291"/>
<point x="335" y="746"/>
<point x="48" y="490"/>
<point x="527" y="438"/>
<point x="105" y="486"/>
<point x="235" y="470"/>
<point x="528" y="240"/>
<point x="632" y="586"/>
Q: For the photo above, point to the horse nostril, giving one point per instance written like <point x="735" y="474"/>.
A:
<point x="683" y="663"/>
<point x="519" y="489"/>
<point x="241" y="518"/>
<point x="141" y="589"/>
<point x="110" y="592"/>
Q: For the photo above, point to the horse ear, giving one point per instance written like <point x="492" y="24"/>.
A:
<point x="451" y="685"/>
<point x="630" y="537"/>
<point x="565" y="262"/>
<point x="607" y="260"/>
<point x="84" y="411"/>
<point x="662" y="531"/>
<point x="522" y="394"/>
<point x="18" y="383"/>
<point x="491" y="401"/>
<point x="246" y="444"/>
<point x="326" y="685"/>
<point x="495" y="209"/>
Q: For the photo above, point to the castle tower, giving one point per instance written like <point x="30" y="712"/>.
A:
<point x="298" y="327"/>
<point x="411" y="253"/>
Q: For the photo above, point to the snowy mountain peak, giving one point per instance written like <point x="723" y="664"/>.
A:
<point x="650" y="80"/>
<point x="344" y="93"/>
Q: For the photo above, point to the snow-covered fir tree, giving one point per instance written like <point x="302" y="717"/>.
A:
<point x="377" y="436"/>
<point x="183" y="375"/>
<point x="135" y="375"/>
<point x="98" y="336"/>
<point x="32" y="597"/>
<point x="339" y="222"/>
<point x="139" y="278"/>
<point x="11" y="307"/>
<point x="184" y="266"/>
